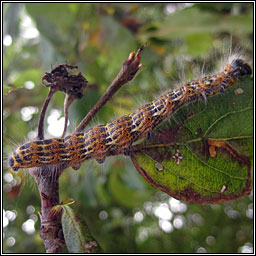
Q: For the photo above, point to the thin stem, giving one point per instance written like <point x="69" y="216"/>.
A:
<point x="126" y="74"/>
<point x="40" y="130"/>
<point x="68" y="100"/>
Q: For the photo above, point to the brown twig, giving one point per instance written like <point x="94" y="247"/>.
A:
<point x="129" y="69"/>
<point x="48" y="185"/>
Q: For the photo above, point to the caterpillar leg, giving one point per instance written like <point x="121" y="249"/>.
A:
<point x="128" y="151"/>
<point x="76" y="167"/>
<point x="222" y="89"/>
<point x="149" y="135"/>
<point x="100" y="160"/>
<point x="203" y="97"/>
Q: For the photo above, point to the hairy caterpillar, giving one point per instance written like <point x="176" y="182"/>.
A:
<point x="118" y="135"/>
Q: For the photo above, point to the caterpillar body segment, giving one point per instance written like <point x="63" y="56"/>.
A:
<point x="118" y="135"/>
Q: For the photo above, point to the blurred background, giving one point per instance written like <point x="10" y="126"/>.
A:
<point x="124" y="213"/>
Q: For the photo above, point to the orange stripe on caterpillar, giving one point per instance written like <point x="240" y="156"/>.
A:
<point x="118" y="135"/>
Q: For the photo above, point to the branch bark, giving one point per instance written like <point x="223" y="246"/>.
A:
<point x="50" y="231"/>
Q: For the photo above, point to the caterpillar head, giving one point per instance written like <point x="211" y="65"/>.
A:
<point x="240" y="68"/>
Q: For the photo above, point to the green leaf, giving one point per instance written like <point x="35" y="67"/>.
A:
<point x="192" y="20"/>
<point x="46" y="13"/>
<point x="28" y="75"/>
<point x="76" y="233"/>
<point x="199" y="43"/>
<point x="68" y="201"/>
<point x="210" y="150"/>
<point x="112" y="34"/>
<point x="12" y="19"/>
<point x="124" y="195"/>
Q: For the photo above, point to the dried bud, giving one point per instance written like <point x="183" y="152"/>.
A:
<point x="66" y="78"/>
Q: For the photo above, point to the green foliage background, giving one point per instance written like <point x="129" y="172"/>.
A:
<point x="117" y="203"/>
